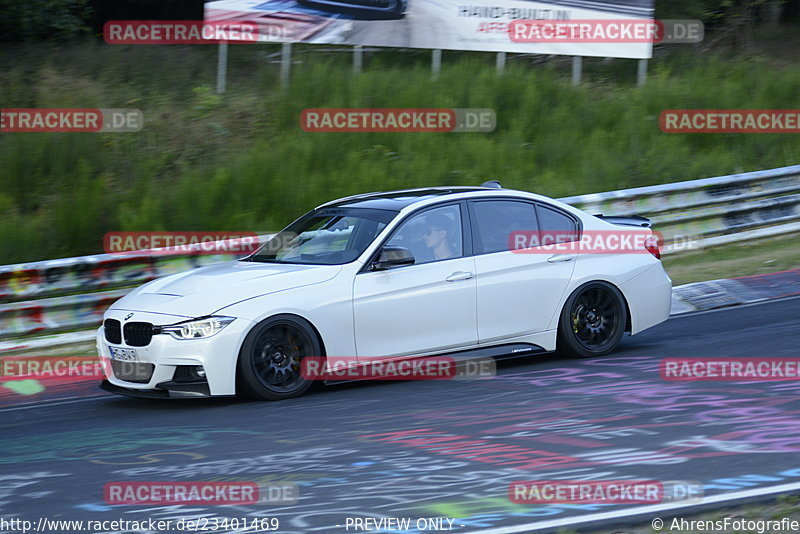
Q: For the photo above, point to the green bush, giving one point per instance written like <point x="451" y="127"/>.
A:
<point x="242" y="163"/>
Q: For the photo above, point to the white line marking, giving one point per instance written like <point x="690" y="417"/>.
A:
<point x="46" y="404"/>
<point x="638" y="510"/>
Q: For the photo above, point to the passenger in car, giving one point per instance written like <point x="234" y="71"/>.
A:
<point x="437" y="235"/>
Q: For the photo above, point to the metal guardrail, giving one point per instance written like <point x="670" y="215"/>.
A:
<point x="709" y="211"/>
<point x="56" y="295"/>
<point x="101" y="271"/>
<point x="114" y="272"/>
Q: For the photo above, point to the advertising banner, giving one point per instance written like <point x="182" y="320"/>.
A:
<point x="601" y="28"/>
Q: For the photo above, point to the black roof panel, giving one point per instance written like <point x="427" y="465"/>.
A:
<point x="397" y="200"/>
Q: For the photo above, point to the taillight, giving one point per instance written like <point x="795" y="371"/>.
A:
<point x="651" y="245"/>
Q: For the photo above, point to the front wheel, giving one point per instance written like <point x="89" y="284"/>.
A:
<point x="269" y="366"/>
<point x="592" y="322"/>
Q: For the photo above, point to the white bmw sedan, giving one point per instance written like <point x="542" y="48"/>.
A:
<point x="442" y="271"/>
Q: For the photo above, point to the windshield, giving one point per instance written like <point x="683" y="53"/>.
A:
<point x="332" y="236"/>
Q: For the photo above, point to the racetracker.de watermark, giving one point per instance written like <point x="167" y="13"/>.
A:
<point x="398" y="120"/>
<point x="50" y="368"/>
<point x="623" y="241"/>
<point x="730" y="369"/>
<point x="730" y="121"/>
<point x="603" y="491"/>
<point x="606" y="31"/>
<point x="180" y="243"/>
<point x="179" y="32"/>
<point x="120" y="120"/>
<point x="199" y="493"/>
<point x="335" y="368"/>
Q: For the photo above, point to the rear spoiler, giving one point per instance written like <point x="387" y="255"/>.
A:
<point x="626" y="220"/>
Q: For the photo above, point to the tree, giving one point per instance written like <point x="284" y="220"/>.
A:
<point x="38" y="20"/>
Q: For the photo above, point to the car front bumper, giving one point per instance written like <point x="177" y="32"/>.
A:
<point x="158" y="370"/>
<point x="164" y="390"/>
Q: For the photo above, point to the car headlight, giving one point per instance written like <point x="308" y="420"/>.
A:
<point x="197" y="328"/>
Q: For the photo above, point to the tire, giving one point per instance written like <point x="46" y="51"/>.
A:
<point x="270" y="359"/>
<point x="592" y="321"/>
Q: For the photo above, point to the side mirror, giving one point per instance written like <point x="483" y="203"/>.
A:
<point x="391" y="256"/>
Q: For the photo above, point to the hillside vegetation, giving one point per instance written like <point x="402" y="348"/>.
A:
<point x="240" y="161"/>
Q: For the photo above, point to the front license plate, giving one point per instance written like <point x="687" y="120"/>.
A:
<point x="122" y="354"/>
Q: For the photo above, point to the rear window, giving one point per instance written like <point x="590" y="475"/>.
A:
<point x="497" y="221"/>
<point x="556" y="226"/>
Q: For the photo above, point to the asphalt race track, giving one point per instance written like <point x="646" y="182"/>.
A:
<point x="432" y="449"/>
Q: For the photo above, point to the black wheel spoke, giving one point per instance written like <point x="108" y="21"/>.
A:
<point x="277" y="356"/>
<point x="595" y="317"/>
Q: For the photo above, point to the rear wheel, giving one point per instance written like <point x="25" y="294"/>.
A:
<point x="269" y="366"/>
<point x="592" y="322"/>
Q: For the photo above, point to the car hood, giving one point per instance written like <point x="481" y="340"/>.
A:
<point x="205" y="290"/>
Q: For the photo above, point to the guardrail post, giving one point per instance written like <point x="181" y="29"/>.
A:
<point x="286" y="64"/>
<point x="222" y="67"/>
<point x="436" y="64"/>
<point x="501" y="63"/>
<point x="641" y="73"/>
<point x="577" y="67"/>
<point x="358" y="51"/>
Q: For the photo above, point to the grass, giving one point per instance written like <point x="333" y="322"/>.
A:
<point x="240" y="162"/>
<point x="779" y="253"/>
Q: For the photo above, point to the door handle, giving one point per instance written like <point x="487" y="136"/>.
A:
<point x="560" y="257"/>
<point x="459" y="275"/>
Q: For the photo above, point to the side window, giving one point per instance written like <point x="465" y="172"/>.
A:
<point x="432" y="235"/>
<point x="556" y="227"/>
<point x="500" y="222"/>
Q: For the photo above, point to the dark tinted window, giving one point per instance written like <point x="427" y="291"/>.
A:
<point x="499" y="222"/>
<point x="432" y="235"/>
<point x="556" y="226"/>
